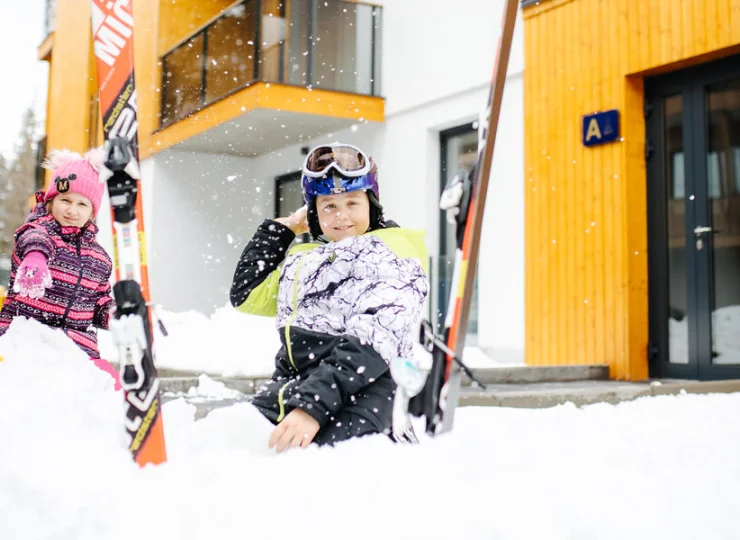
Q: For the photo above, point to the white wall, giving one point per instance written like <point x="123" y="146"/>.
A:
<point x="206" y="208"/>
<point x="433" y="49"/>
<point x="501" y="263"/>
<point x="437" y="61"/>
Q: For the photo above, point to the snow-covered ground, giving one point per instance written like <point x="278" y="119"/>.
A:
<point x="664" y="467"/>
<point x="228" y="343"/>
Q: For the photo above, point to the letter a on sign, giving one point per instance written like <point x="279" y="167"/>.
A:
<point x="600" y="128"/>
<point x="593" y="131"/>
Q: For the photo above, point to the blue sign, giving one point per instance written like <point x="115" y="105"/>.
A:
<point x="600" y="128"/>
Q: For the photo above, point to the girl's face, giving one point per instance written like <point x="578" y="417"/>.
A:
<point x="343" y="215"/>
<point x="71" y="209"/>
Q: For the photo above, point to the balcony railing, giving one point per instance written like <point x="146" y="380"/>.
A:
<point x="49" y="10"/>
<point x="323" y="44"/>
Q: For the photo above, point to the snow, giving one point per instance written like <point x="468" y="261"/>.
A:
<point x="229" y="343"/>
<point x="660" y="467"/>
<point x="207" y="390"/>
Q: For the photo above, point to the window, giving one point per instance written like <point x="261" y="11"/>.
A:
<point x="289" y="198"/>
<point x="458" y="152"/>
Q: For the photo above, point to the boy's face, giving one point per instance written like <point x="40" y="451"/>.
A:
<point x="343" y="215"/>
<point x="71" y="209"/>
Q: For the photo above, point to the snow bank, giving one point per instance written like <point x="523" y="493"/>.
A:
<point x="663" y="467"/>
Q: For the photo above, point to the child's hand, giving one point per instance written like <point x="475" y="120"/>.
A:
<point x="296" y="222"/>
<point x="296" y="429"/>
<point x="33" y="277"/>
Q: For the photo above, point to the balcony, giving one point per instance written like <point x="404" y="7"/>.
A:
<point x="303" y="47"/>
<point x="43" y="52"/>
<point x="49" y="12"/>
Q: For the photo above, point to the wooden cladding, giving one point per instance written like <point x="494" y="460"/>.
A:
<point x="585" y="208"/>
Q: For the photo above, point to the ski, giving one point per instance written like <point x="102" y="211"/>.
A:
<point x="464" y="200"/>
<point x="131" y="325"/>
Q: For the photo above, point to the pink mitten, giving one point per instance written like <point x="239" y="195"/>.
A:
<point x="33" y="276"/>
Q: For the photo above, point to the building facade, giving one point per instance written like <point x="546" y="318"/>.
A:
<point x="633" y="228"/>
<point x="231" y="94"/>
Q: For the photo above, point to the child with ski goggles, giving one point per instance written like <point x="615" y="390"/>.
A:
<point x="345" y="304"/>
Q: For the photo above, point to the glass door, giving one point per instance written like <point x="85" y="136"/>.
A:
<point x="693" y="163"/>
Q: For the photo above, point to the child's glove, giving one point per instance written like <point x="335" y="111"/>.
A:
<point x="33" y="277"/>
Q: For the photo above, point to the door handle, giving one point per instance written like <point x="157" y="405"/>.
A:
<point x="701" y="230"/>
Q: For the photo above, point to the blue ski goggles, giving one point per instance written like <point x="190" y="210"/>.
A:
<point x="335" y="184"/>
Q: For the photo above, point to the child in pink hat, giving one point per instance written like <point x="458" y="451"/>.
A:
<point x="59" y="274"/>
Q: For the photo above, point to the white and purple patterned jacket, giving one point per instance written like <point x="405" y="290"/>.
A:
<point x="343" y="311"/>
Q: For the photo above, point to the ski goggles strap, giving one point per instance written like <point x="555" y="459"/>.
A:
<point x="347" y="159"/>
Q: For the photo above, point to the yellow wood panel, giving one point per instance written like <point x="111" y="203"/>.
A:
<point x="687" y="35"/>
<point x="564" y="187"/>
<point x="555" y="191"/>
<point x="530" y="216"/>
<point x="700" y="31"/>
<point x="675" y="24"/>
<point x="634" y="302"/>
<point x="148" y="71"/>
<point x="712" y="36"/>
<point x="654" y="37"/>
<point x="607" y="200"/>
<point x="182" y="18"/>
<point x="725" y="23"/>
<point x="540" y="198"/>
<point x="735" y="20"/>
<point x="546" y="225"/>
<point x="533" y="293"/>
<point x="586" y="229"/>
<point x="584" y="242"/>
<point x="644" y="38"/>
<point x="665" y="32"/>
<point x="570" y="78"/>
<point x="68" y="99"/>
<point x="616" y="278"/>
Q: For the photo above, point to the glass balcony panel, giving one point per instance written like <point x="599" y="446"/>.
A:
<point x="182" y="80"/>
<point x="230" y="52"/>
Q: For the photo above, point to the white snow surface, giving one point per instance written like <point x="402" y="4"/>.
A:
<point x="662" y="467"/>
<point x="228" y="343"/>
<point x="206" y="390"/>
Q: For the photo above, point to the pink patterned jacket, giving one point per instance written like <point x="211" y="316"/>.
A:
<point x="79" y="300"/>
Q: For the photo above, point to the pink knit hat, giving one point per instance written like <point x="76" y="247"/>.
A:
<point x="75" y="173"/>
